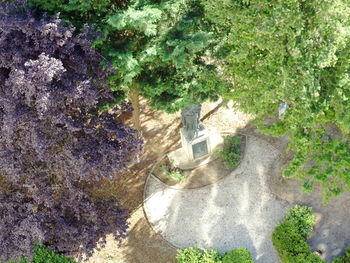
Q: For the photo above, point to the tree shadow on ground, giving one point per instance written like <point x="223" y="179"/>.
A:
<point x="215" y="217"/>
<point x="331" y="233"/>
<point x="161" y="133"/>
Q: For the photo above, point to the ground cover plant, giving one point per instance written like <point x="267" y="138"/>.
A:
<point x="55" y="144"/>
<point x="290" y="238"/>
<point x="178" y="176"/>
<point x="289" y="61"/>
<point x="202" y="255"/>
<point x="43" y="255"/>
<point x="232" y="150"/>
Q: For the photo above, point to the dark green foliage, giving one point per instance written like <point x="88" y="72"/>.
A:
<point x="238" y="255"/>
<point x="43" y="255"/>
<point x="231" y="152"/>
<point x="158" y="47"/>
<point x="202" y="255"/>
<point x="291" y="245"/>
<point x="343" y="259"/>
<point x="294" y="52"/>
<point x="80" y="12"/>
<point x="289" y="237"/>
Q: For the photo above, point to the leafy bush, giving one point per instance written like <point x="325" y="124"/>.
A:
<point x="303" y="218"/>
<point x="202" y="255"/>
<point x="238" y="255"/>
<point x="43" y="255"/>
<point x="178" y="176"/>
<point x="289" y="237"/>
<point x="189" y="255"/>
<point x="55" y="145"/>
<point x="231" y="152"/>
<point x="198" y="255"/>
<point x="345" y="258"/>
<point x="291" y="245"/>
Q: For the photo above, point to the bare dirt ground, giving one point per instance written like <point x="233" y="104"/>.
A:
<point x="161" y="135"/>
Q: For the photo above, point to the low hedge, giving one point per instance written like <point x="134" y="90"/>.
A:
<point x="44" y="255"/>
<point x="292" y="246"/>
<point x="289" y="238"/>
<point x="238" y="255"/>
<point x="202" y="255"/>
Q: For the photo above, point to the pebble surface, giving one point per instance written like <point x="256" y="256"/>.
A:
<point x="237" y="211"/>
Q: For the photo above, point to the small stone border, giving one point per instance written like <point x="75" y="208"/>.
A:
<point x="180" y="187"/>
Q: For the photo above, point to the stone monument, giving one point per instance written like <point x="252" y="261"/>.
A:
<point x="197" y="142"/>
<point x="194" y="137"/>
<point x="190" y="117"/>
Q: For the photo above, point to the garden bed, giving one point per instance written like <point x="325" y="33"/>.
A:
<point x="200" y="176"/>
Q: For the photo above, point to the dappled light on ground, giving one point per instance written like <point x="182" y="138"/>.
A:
<point x="238" y="211"/>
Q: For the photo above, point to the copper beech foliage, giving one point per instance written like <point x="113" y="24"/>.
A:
<point x="55" y="145"/>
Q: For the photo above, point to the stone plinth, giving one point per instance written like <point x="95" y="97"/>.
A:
<point x="197" y="152"/>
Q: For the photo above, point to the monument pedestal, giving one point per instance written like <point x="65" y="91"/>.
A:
<point x="198" y="151"/>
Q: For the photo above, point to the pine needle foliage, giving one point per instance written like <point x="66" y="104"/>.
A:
<point x="159" y="47"/>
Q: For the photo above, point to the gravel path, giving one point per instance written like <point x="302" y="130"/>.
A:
<point x="238" y="211"/>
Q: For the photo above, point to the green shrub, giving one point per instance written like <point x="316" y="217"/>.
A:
<point x="178" y="176"/>
<point x="238" y="255"/>
<point x="44" y="255"/>
<point x="291" y="245"/>
<point x="231" y="152"/>
<point x="303" y="218"/>
<point x="198" y="255"/>
<point x="345" y="258"/>
<point x="202" y="255"/>
<point x="289" y="237"/>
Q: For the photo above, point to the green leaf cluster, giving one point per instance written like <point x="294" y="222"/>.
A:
<point x="231" y="152"/>
<point x="289" y="237"/>
<point x="202" y="255"/>
<point x="238" y="255"/>
<point x="44" y="255"/>
<point x="294" y="52"/>
<point x="162" y="48"/>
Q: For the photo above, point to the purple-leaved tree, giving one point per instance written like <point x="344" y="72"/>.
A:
<point x="55" y="143"/>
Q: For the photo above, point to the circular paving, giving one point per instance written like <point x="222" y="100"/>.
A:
<point x="237" y="211"/>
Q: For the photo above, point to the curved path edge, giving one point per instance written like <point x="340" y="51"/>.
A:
<point x="221" y="218"/>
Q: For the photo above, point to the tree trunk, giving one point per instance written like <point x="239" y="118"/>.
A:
<point x="134" y="98"/>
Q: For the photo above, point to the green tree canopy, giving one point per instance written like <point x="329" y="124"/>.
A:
<point x="160" y="48"/>
<point x="294" y="52"/>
